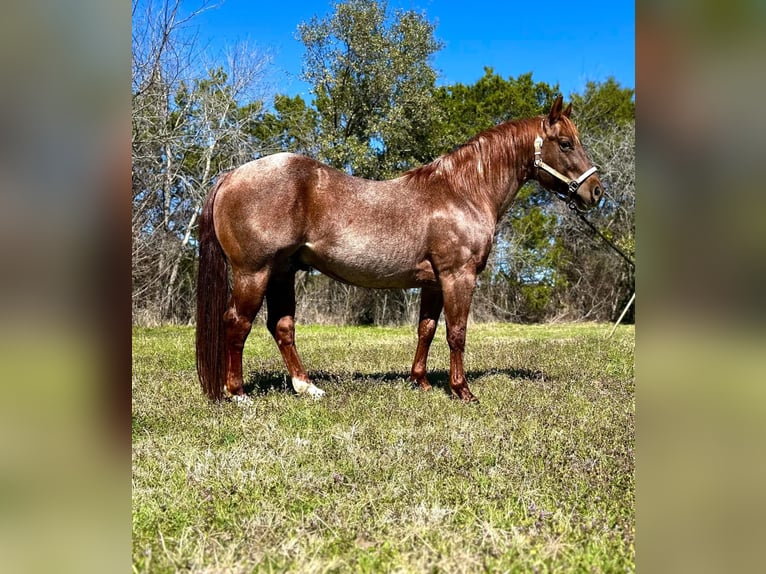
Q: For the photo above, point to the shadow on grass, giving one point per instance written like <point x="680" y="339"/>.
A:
<point x="262" y="382"/>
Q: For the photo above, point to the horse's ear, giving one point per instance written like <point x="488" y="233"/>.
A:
<point x="555" y="113"/>
<point x="568" y="111"/>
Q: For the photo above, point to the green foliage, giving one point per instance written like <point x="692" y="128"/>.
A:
<point x="605" y="115"/>
<point x="292" y="126"/>
<point x="524" y="265"/>
<point x="603" y="105"/>
<point x="377" y="476"/>
<point x="373" y="84"/>
<point x="540" y="249"/>
<point x="468" y="110"/>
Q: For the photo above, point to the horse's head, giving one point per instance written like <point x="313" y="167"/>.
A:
<point x="561" y="163"/>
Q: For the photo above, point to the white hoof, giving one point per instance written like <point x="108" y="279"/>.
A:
<point x="305" y="388"/>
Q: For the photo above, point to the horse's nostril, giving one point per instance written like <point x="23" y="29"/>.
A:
<point x="597" y="192"/>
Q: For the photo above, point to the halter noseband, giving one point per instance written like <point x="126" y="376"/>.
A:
<point x="572" y="184"/>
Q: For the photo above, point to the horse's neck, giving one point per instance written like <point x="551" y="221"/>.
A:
<point x="515" y="162"/>
<point x="486" y="171"/>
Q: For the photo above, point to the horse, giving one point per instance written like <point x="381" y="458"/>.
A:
<point x="431" y="228"/>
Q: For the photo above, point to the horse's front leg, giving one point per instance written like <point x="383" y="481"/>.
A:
<point x="431" y="303"/>
<point x="457" y="290"/>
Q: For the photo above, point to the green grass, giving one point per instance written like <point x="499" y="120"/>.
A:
<point x="378" y="476"/>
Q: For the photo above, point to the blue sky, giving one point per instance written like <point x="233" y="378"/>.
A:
<point x="569" y="43"/>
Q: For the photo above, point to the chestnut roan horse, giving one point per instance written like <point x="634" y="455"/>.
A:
<point x="430" y="228"/>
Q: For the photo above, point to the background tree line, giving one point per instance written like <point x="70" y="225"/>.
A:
<point x="376" y="111"/>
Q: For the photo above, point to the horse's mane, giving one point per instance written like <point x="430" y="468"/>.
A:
<point x="483" y="160"/>
<point x="486" y="158"/>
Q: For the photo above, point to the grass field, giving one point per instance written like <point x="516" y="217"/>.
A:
<point x="378" y="476"/>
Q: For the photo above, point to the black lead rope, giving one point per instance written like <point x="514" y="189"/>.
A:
<point x="573" y="206"/>
<point x="606" y="239"/>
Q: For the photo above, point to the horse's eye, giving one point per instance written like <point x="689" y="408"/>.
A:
<point x="565" y="145"/>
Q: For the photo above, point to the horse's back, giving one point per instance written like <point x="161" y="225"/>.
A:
<point x="273" y="175"/>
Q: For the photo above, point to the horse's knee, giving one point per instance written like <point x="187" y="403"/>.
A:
<point x="283" y="331"/>
<point x="456" y="338"/>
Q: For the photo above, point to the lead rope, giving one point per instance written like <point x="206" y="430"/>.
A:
<point x="621" y="254"/>
<point x="606" y="239"/>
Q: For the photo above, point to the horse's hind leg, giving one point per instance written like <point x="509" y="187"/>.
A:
<point x="280" y="298"/>
<point x="431" y="302"/>
<point x="247" y="294"/>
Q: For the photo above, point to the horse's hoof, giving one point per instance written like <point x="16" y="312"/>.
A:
<point x="306" y="388"/>
<point x="465" y="395"/>
<point x="422" y="385"/>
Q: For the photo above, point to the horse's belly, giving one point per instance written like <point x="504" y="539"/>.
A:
<point x="370" y="267"/>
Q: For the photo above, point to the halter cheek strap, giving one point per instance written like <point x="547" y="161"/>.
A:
<point x="572" y="184"/>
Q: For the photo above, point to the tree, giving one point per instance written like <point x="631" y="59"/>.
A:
<point x="468" y="110"/>
<point x="376" y="113"/>
<point x="292" y="126"/>
<point x="604" y="105"/>
<point x="188" y="125"/>
<point x="596" y="282"/>
<point x="373" y="86"/>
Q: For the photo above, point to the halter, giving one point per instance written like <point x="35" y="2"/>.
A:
<point x="572" y="184"/>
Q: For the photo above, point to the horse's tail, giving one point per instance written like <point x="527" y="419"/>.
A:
<point x="212" y="299"/>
